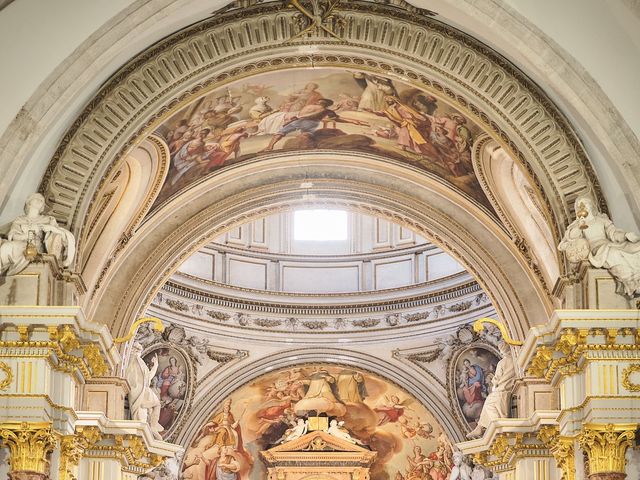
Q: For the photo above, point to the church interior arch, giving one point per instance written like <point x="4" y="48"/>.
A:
<point x="456" y="170"/>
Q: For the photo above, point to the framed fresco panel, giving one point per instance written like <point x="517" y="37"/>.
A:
<point x="470" y="378"/>
<point x="173" y="382"/>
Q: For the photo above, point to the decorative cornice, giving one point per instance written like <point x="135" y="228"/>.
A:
<point x="314" y="318"/>
<point x="563" y="354"/>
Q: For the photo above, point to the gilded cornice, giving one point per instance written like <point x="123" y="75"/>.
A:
<point x="425" y="52"/>
<point x="63" y="351"/>
<point x="569" y="352"/>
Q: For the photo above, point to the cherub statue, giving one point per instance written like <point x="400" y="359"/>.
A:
<point x="34" y="233"/>
<point x="144" y="402"/>
<point x="461" y="470"/>
<point x="592" y="236"/>
<point x="337" y="430"/>
<point x="297" y="431"/>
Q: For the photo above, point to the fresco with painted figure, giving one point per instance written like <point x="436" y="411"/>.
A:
<point x="473" y="371"/>
<point x="273" y="409"/>
<point x="170" y="383"/>
<point x="320" y="108"/>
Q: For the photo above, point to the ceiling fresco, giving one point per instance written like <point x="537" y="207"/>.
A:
<point x="377" y="415"/>
<point x="320" y="108"/>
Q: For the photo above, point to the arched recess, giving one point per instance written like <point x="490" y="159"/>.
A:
<point x="514" y="199"/>
<point x="210" y="396"/>
<point x="246" y="191"/>
<point x="425" y="52"/>
<point x="122" y="204"/>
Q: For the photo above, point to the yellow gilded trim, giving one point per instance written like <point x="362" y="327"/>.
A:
<point x="157" y="325"/>
<point x="8" y="376"/>
<point x="626" y="380"/>
<point x="478" y="326"/>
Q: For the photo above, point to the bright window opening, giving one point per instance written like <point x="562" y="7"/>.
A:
<point x="319" y="225"/>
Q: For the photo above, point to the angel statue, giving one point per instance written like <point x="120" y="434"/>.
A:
<point x="337" y="430"/>
<point x="144" y="402"/>
<point x="32" y="234"/>
<point x="592" y="236"/>
<point x="295" y="432"/>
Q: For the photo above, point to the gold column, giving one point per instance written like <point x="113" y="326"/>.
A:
<point x="29" y="444"/>
<point x="606" y="446"/>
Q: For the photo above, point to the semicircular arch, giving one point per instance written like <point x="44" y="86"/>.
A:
<point x="377" y="186"/>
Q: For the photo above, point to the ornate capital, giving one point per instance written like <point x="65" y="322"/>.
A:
<point x="561" y="448"/>
<point x="606" y="446"/>
<point x="72" y="448"/>
<point x="29" y="444"/>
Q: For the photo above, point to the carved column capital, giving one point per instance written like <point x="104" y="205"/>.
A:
<point x="72" y="449"/>
<point x="561" y="448"/>
<point x="29" y="445"/>
<point x="606" y="446"/>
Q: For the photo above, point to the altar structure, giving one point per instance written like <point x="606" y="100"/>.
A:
<point x="319" y="456"/>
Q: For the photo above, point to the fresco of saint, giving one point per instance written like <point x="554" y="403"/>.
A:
<point x="362" y="408"/>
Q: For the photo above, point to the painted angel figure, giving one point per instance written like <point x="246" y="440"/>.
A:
<point x="393" y="410"/>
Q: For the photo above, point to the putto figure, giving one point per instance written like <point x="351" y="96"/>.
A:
<point x="34" y="233"/>
<point x="592" y="236"/>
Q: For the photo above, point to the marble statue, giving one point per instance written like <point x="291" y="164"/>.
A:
<point x="295" y="432"/>
<point x="496" y="405"/>
<point x="337" y="430"/>
<point x="144" y="402"/>
<point x="37" y="231"/>
<point x="169" y="470"/>
<point x="461" y="470"/>
<point x="592" y="236"/>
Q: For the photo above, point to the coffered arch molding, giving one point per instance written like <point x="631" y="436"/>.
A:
<point x="211" y="396"/>
<point x="237" y="44"/>
<point x="373" y="185"/>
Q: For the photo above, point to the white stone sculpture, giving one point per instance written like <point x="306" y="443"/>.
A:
<point x="144" y="402"/>
<point x="337" y="430"/>
<point x="295" y="432"/>
<point x="594" y="237"/>
<point x="169" y="470"/>
<point x="496" y="405"/>
<point x="461" y="470"/>
<point x="40" y="233"/>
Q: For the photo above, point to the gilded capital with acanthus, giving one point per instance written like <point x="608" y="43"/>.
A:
<point x="606" y="446"/>
<point x="29" y="445"/>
